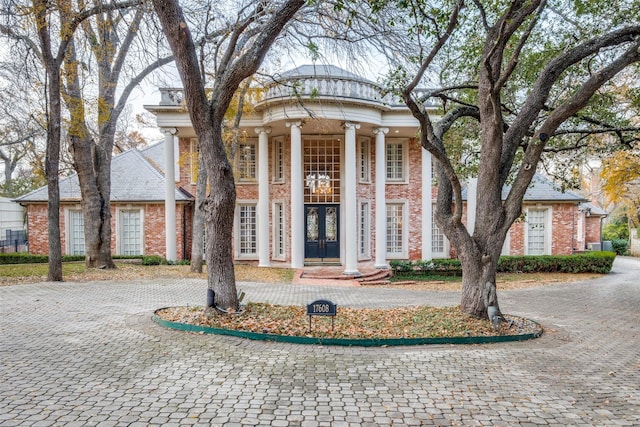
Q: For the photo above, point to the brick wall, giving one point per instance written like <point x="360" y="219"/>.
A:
<point x="154" y="224"/>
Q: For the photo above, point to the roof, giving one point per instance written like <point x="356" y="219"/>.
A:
<point x="541" y="189"/>
<point x="593" y="210"/>
<point x="321" y="70"/>
<point x="133" y="179"/>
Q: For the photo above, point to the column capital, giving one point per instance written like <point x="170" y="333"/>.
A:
<point x="296" y="123"/>
<point x="264" y="129"/>
<point x="382" y="131"/>
<point x="351" y="125"/>
<point x="170" y="131"/>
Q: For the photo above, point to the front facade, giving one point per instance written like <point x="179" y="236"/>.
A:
<point x="327" y="172"/>
<point x="330" y="172"/>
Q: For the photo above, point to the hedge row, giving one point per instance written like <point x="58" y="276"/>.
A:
<point x="589" y="262"/>
<point x="24" y="258"/>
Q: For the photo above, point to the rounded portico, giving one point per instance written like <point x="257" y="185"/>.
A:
<point x="328" y="171"/>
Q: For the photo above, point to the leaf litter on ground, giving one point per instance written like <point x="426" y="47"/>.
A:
<point x="351" y="323"/>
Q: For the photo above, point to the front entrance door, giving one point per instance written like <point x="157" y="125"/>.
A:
<point x="321" y="231"/>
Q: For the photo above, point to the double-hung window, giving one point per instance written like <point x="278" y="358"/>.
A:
<point x="396" y="156"/>
<point x="247" y="234"/>
<point x="247" y="161"/>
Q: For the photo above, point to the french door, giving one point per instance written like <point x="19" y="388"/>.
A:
<point x="322" y="232"/>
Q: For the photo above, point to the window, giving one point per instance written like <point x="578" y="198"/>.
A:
<point x="364" y="155"/>
<point x="247" y="161"/>
<point x="130" y="232"/>
<point x="195" y="162"/>
<point x="580" y="227"/>
<point x="278" y="160"/>
<point x="437" y="239"/>
<point x="537" y="231"/>
<point x="364" y="230"/>
<point x="396" y="160"/>
<point x="247" y="230"/>
<point x="278" y="230"/>
<point x="439" y="242"/>
<point x="75" y="232"/>
<point x="396" y="245"/>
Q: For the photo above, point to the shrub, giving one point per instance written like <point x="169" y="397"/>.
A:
<point x="589" y="262"/>
<point x="620" y="246"/>
<point x="153" y="260"/>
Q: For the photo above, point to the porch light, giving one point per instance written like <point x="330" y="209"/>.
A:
<point x="319" y="183"/>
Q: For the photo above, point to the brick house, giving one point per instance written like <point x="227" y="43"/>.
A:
<point x="327" y="171"/>
<point x="137" y="209"/>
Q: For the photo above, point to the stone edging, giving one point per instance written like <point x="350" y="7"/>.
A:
<point x="349" y="342"/>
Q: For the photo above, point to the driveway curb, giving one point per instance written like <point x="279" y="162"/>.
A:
<point x="350" y="342"/>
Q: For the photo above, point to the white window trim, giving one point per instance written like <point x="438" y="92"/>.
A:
<point x="548" y="232"/>
<point x="363" y="256"/>
<point x="67" y="231"/>
<point x="405" y="230"/>
<point x="580" y="228"/>
<point x="364" y="143"/>
<point x="446" y="244"/>
<point x="275" y="231"/>
<point x="252" y="180"/>
<point x="275" y="142"/>
<point x="236" y="232"/>
<point x="119" y="209"/>
<point x="404" y="142"/>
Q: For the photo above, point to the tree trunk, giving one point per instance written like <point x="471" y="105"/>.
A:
<point x="52" y="166"/>
<point x="219" y="207"/>
<point x="479" y="286"/>
<point x="197" y="243"/>
<point x="92" y="163"/>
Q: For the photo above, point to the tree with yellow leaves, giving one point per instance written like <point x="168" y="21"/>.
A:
<point x="621" y="182"/>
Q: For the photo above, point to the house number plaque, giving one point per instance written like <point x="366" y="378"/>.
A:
<point x="322" y="307"/>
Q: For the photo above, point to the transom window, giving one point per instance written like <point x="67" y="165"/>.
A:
<point x="321" y="170"/>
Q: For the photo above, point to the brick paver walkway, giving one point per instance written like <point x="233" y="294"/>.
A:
<point x="88" y="354"/>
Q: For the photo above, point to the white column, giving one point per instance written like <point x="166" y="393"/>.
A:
<point x="170" y="194"/>
<point x="350" y="200"/>
<point x="263" y="196"/>
<point x="381" y="199"/>
<point x="472" y="201"/>
<point x="427" y="207"/>
<point x="297" y="196"/>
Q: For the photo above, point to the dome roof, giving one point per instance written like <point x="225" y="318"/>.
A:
<point x="321" y="70"/>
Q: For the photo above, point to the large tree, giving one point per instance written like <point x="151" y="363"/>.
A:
<point x="109" y="36"/>
<point x="51" y="19"/>
<point x="528" y="72"/>
<point x="244" y="46"/>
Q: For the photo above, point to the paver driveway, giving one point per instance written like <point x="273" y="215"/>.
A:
<point x="88" y="354"/>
